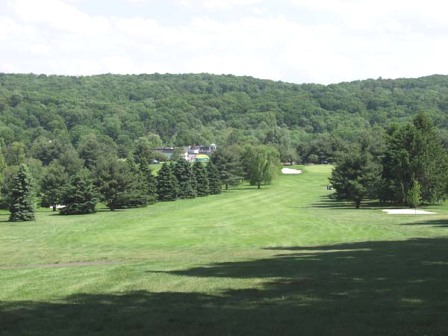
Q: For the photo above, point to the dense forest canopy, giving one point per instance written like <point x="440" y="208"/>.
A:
<point x="202" y="109"/>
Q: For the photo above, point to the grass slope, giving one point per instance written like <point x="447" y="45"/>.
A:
<point x="283" y="260"/>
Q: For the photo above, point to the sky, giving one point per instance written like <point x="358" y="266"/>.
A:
<point x="298" y="41"/>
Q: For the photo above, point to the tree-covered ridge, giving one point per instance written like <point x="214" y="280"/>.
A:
<point x="204" y="108"/>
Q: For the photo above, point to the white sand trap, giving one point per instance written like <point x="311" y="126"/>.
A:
<point x="291" y="171"/>
<point x="408" y="212"/>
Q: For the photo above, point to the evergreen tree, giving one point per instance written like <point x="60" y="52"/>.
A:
<point x="118" y="186"/>
<point x="228" y="162"/>
<point x="53" y="184"/>
<point x="21" y="197"/>
<point x="355" y="177"/>
<point x="201" y="178"/>
<point x="149" y="182"/>
<point x="414" y="153"/>
<point x="214" y="179"/>
<point x="167" y="187"/>
<point x="185" y="178"/>
<point x="79" y="196"/>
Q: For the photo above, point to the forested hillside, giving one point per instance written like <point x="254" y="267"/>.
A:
<point x="202" y="109"/>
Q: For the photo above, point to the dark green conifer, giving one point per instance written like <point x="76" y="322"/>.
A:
<point x="150" y="183"/>
<point x="201" y="179"/>
<point x="80" y="196"/>
<point x="355" y="176"/>
<point x="166" y="184"/>
<point x="21" y="198"/>
<point x="415" y="153"/>
<point x="185" y="178"/>
<point x="214" y="180"/>
<point x="228" y="162"/>
<point x="119" y="184"/>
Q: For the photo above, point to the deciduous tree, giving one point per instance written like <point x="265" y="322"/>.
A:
<point x="261" y="164"/>
<point x="413" y="197"/>
<point x="53" y="184"/>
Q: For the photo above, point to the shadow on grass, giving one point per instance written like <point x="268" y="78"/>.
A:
<point x="442" y="223"/>
<point x="329" y="202"/>
<point x="246" y="188"/>
<point x="367" y="288"/>
<point x="4" y="217"/>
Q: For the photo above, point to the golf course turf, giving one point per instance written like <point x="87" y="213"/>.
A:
<point x="282" y="260"/>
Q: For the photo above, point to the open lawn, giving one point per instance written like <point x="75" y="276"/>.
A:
<point x="282" y="260"/>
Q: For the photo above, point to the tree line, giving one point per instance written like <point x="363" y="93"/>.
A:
<point x="409" y="167"/>
<point x="62" y="125"/>
<point x="130" y="183"/>
<point x="305" y="123"/>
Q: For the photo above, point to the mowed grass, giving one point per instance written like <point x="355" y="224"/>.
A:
<point x="283" y="260"/>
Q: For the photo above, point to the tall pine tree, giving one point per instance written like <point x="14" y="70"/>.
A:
<point x="355" y="176"/>
<point x="149" y="182"/>
<point x="167" y="187"/>
<point x="201" y="177"/>
<point x="118" y="185"/>
<point x="21" y="197"/>
<point x="228" y="162"/>
<point x="80" y="196"/>
<point x="214" y="179"/>
<point x="185" y="178"/>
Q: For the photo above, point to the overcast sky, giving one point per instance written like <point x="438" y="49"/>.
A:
<point x="299" y="41"/>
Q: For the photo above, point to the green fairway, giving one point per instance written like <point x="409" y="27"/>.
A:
<point x="282" y="260"/>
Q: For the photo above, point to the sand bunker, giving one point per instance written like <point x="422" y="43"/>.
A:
<point x="408" y="212"/>
<point x="291" y="171"/>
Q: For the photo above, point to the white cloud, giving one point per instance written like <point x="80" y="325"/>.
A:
<point x="218" y="4"/>
<point x="227" y="4"/>
<point x="136" y="26"/>
<point x="186" y="3"/>
<point x="10" y="29"/>
<point x="340" y="40"/>
<point x="39" y="49"/>
<point x="59" y="15"/>
<point x="136" y="2"/>
<point x="374" y="15"/>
